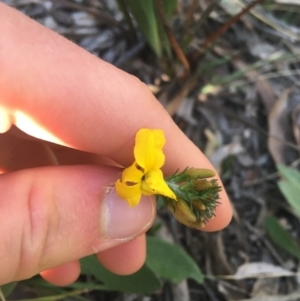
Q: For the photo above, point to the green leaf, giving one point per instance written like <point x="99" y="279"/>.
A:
<point x="144" y="13"/>
<point x="169" y="6"/>
<point x="290" y="186"/>
<point x="290" y="174"/>
<point x="150" y="24"/>
<point x="142" y="282"/>
<point x="281" y="237"/>
<point x="170" y="261"/>
<point x="8" y="288"/>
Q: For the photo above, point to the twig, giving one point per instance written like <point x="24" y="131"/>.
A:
<point x="222" y="29"/>
<point x="178" y="51"/>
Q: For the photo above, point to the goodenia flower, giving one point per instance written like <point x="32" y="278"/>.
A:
<point x="191" y="195"/>
<point x="144" y="176"/>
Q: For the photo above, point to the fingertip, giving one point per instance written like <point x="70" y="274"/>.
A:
<point x="125" y="259"/>
<point x="62" y="275"/>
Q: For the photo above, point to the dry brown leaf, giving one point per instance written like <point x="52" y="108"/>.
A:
<point x="290" y="297"/>
<point x="266" y="286"/>
<point x="277" y="119"/>
<point x="259" y="270"/>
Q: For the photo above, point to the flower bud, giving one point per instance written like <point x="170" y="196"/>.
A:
<point x="197" y="197"/>
<point x="197" y="204"/>
<point x="199" y="173"/>
<point x="202" y="184"/>
<point x="183" y="213"/>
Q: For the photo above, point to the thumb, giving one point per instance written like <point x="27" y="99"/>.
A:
<point x="53" y="215"/>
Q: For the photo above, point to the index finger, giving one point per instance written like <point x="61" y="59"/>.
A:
<point x="54" y="90"/>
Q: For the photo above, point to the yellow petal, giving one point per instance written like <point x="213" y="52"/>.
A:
<point x="159" y="141"/>
<point x="148" y="149"/>
<point x="154" y="183"/>
<point x="132" y="194"/>
<point x="132" y="174"/>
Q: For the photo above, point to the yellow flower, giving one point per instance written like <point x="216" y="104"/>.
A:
<point x="144" y="175"/>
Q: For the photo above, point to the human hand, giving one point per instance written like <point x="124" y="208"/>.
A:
<point x="82" y="114"/>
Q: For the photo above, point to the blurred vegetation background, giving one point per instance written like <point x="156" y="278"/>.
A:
<point x="227" y="71"/>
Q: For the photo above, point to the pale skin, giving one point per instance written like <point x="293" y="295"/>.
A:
<point x="80" y="113"/>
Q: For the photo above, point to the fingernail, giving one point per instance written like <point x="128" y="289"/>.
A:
<point x="120" y="221"/>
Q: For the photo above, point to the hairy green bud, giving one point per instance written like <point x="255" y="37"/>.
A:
<point x="197" y="196"/>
